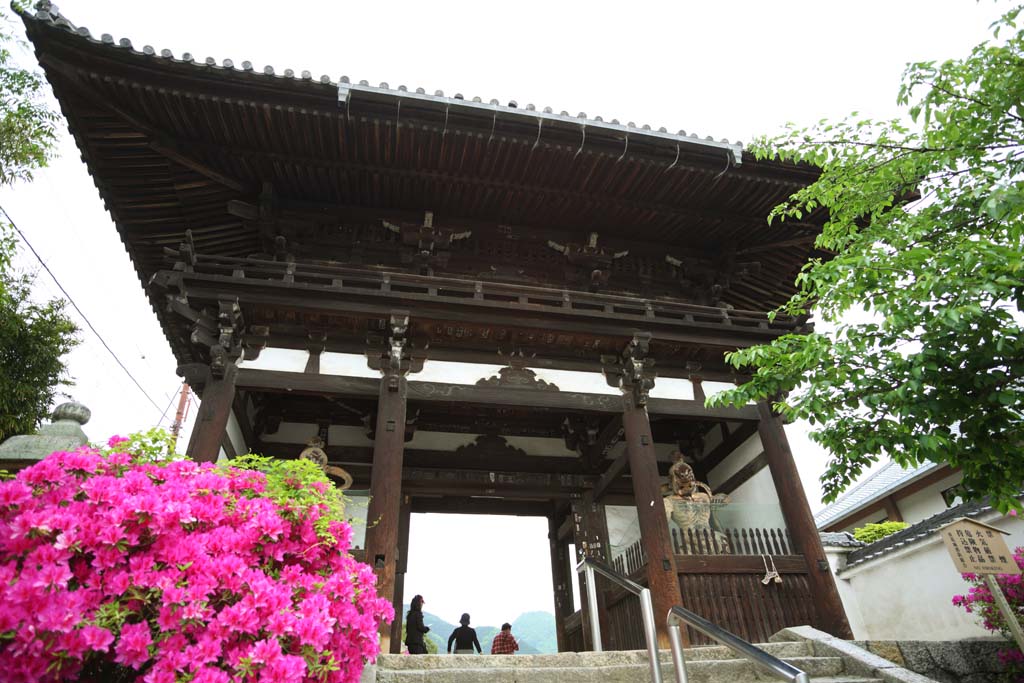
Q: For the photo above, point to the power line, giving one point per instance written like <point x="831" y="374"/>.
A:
<point x="75" y="306"/>
<point x="171" y="401"/>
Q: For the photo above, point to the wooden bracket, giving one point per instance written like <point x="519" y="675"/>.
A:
<point x="632" y="371"/>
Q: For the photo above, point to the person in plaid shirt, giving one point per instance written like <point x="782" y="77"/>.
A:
<point x="504" y="643"/>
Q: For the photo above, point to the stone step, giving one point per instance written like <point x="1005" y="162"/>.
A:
<point x="698" y="671"/>
<point x="782" y="650"/>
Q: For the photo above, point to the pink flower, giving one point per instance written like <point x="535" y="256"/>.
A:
<point x="133" y="647"/>
<point x="227" y="572"/>
<point x="115" y="440"/>
<point x="96" y="638"/>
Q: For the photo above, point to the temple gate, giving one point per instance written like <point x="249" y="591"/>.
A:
<point x="266" y="210"/>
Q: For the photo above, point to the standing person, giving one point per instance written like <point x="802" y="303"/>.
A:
<point x="504" y="643"/>
<point x="464" y="637"/>
<point x="414" y="628"/>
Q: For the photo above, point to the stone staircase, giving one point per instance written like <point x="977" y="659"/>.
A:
<point x="704" y="665"/>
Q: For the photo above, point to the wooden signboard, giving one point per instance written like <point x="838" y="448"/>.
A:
<point x="977" y="548"/>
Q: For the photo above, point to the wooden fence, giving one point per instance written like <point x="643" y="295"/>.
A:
<point x="721" y="578"/>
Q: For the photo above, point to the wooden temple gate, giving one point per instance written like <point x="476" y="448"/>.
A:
<point x="266" y="210"/>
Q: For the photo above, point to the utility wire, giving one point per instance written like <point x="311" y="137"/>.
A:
<point x="174" y="395"/>
<point x="75" y="306"/>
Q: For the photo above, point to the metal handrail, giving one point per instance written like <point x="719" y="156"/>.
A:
<point x="589" y="566"/>
<point x="770" y="663"/>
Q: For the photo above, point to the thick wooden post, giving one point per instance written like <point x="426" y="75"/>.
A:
<point x="633" y="373"/>
<point x="590" y="534"/>
<point x="212" y="418"/>
<point x="561" y="580"/>
<point x="800" y="522"/>
<point x="384" y="509"/>
<point x="400" y="569"/>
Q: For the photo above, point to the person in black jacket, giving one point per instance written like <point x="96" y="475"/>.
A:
<point x="414" y="628"/>
<point x="464" y="637"/>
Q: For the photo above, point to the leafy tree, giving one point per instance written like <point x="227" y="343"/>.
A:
<point x="27" y="132"/>
<point x="924" y="293"/>
<point x="33" y="337"/>
<point x="33" y="340"/>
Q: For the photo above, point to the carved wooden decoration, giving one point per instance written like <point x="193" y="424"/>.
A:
<point x="425" y="245"/>
<point x="516" y="375"/>
<point x="632" y="372"/>
<point x="590" y="257"/>
<point x="491" y="446"/>
<point x="705" y="282"/>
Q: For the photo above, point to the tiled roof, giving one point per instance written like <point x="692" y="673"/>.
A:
<point x="48" y="13"/>
<point x="840" y="539"/>
<point x="916" y="532"/>
<point x="880" y="484"/>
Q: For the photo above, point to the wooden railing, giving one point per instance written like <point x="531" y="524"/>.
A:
<point x="343" y="279"/>
<point x="733" y="542"/>
<point x="721" y="578"/>
<point x="775" y="542"/>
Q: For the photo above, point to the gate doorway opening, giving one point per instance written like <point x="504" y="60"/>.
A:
<point x="497" y="568"/>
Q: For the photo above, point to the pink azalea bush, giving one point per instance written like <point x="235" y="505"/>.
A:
<point x="979" y="601"/>
<point x="114" y="569"/>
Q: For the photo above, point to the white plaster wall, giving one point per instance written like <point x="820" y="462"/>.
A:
<point x="746" y="452"/>
<point x="926" y="502"/>
<point x="907" y="594"/>
<point x="234" y="432"/>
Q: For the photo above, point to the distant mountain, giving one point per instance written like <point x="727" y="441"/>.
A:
<point x="538" y="630"/>
<point x="534" y="631"/>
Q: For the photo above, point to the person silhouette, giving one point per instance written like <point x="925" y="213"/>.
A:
<point x="464" y="638"/>
<point x="414" y="628"/>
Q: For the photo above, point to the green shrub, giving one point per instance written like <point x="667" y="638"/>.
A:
<point x="869" y="533"/>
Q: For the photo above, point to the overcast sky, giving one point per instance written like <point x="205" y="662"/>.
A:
<point x="726" y="69"/>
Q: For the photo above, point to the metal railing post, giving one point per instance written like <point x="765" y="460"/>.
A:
<point x="650" y="634"/>
<point x="675" y="639"/>
<point x="759" y="657"/>
<point x="595" y="623"/>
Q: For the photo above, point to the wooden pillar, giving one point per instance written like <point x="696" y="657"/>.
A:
<point x="892" y="512"/>
<point x="633" y="373"/>
<point x="561" y="580"/>
<point x="212" y="418"/>
<point x="590" y="535"/>
<point x="402" y="565"/>
<point x="800" y="522"/>
<point x="384" y="509"/>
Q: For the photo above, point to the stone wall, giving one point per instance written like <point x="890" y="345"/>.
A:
<point x="964" y="661"/>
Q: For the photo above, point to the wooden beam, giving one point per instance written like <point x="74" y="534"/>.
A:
<point x="416" y="457"/>
<point x="615" y="319"/>
<point x="891" y="510"/>
<point x="712" y="372"/>
<point x="614" y="471"/>
<point x="434" y="392"/>
<point x="738" y="564"/>
<point x="716" y="457"/>
<point x="468" y="505"/>
<point x="830" y="615"/>
<point x="609" y="435"/>
<point x="212" y="418"/>
<point x="756" y="464"/>
<point x="565" y="528"/>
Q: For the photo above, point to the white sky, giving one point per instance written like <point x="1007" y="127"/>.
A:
<point x="726" y="69"/>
